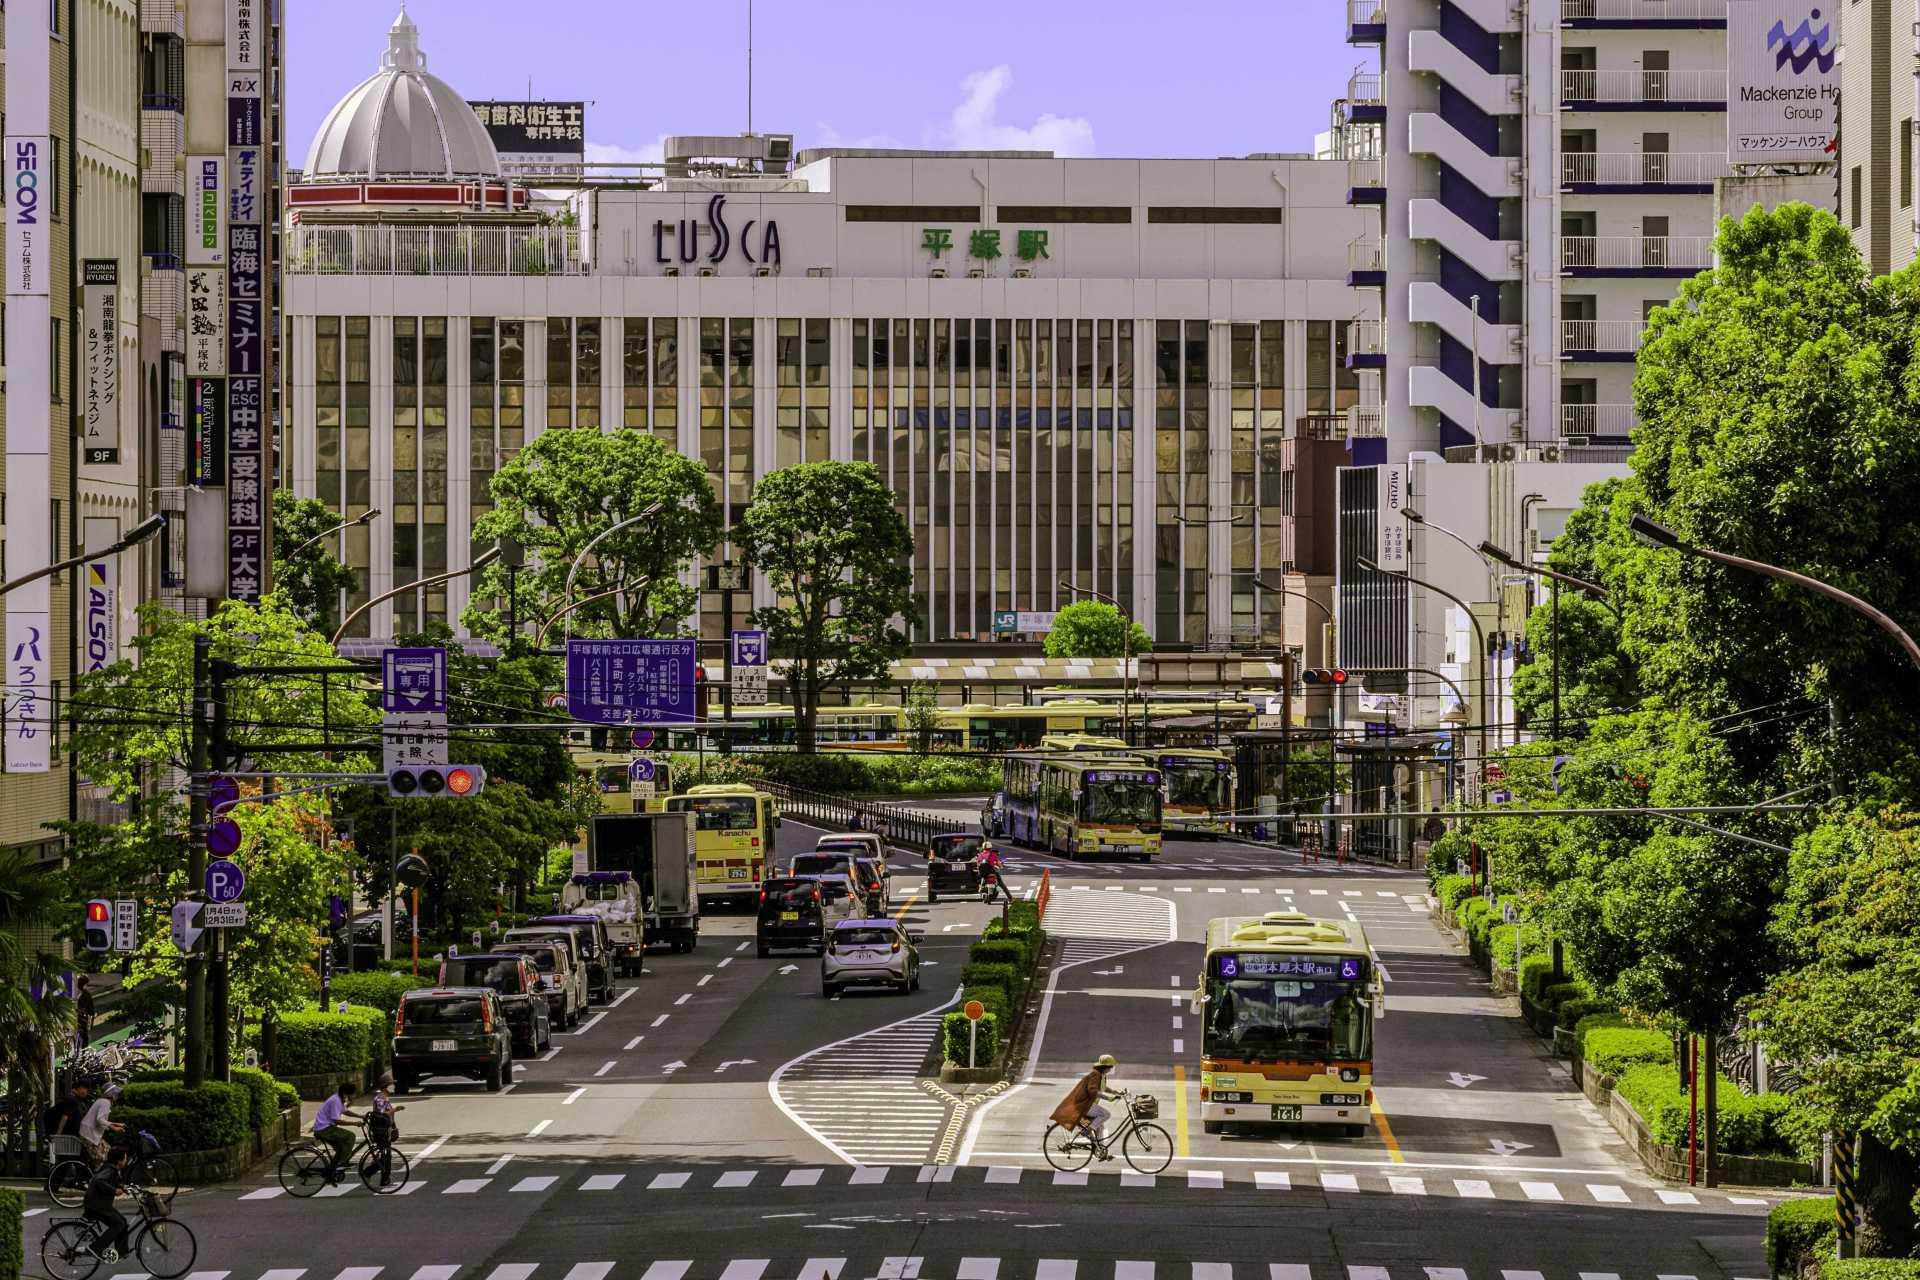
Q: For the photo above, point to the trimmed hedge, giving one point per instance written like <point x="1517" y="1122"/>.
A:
<point x="1009" y="976"/>
<point x="216" y="1114"/>
<point x="13" y="1232"/>
<point x="990" y="995"/>
<point x="1616" y="1049"/>
<point x="1746" y="1122"/>
<point x="375" y="987"/>
<point x="1503" y="942"/>
<point x="312" y="1042"/>
<point x="1556" y="994"/>
<point x="1799" y="1230"/>
<point x="1535" y="974"/>
<point x="954" y="1039"/>
<point x="1870" y="1269"/>
<point x="1012" y="951"/>
<point x="1030" y="939"/>
<point x="1570" y="1013"/>
<point x="1450" y="890"/>
<point x="266" y="1096"/>
<point x="1587" y="1024"/>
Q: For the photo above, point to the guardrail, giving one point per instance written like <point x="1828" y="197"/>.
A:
<point x="895" y="824"/>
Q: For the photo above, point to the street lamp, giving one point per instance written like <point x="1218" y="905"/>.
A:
<point x="1282" y="591"/>
<point x="598" y="538"/>
<point x="1660" y="536"/>
<point x="1555" y="577"/>
<point x="480" y="561"/>
<point x="1126" y="652"/>
<point x="1479" y="632"/>
<point x="365" y="517"/>
<point x="133" y="537"/>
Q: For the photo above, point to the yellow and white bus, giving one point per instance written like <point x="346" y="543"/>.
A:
<point x="1080" y="805"/>
<point x="732" y="840"/>
<point x="1287" y="1004"/>
<point x="1199" y="786"/>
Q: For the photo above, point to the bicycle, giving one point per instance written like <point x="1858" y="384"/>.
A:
<point x="166" y="1248"/>
<point x="307" y="1165"/>
<point x="1146" y="1146"/>
<point x="67" y="1179"/>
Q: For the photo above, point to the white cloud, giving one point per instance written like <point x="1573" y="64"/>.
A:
<point x="974" y="124"/>
<point x="825" y="135"/>
<point x="608" y="153"/>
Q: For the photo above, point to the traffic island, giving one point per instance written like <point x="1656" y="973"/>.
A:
<point x="1002" y="969"/>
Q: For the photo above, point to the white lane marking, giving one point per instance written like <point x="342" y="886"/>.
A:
<point x="735" y="1178"/>
<point x="1174" y="980"/>
<point x="666" y="1271"/>
<point x="1215" y="889"/>
<point x="745" y="1269"/>
<point x="1339" y="1182"/>
<point x="540" y="1128"/>
<point x="1472" y="1189"/>
<point x="548" y="1055"/>
<point x="515" y="1085"/>
<point x="1676" y="1197"/>
<point x="633" y="1044"/>
<point x="605" y="1067"/>
<point x="1407" y="1186"/>
<point x="603" y="1182"/>
<point x="1178" y="1022"/>
<point x="588" y="1024"/>
<point x="1351" y="893"/>
<point x="1606" y="1193"/>
<point x="742" y="947"/>
<point x="1540" y="1191"/>
<point x="573" y="1097"/>
<point x="466" y="1186"/>
<point x="535" y="1182"/>
<point x="801" y="1178"/>
<point x="499" y="1164"/>
<point x="1745" y="1200"/>
<point x="430" y="1148"/>
<point x="683" y="999"/>
<point x="1318" y="893"/>
<point x="1179" y="1046"/>
<point x="1249" y="891"/>
<point x="1201" y="1179"/>
<point x="729" y="960"/>
<point x="622" y="997"/>
<point x="662" y="1018"/>
<point x="1183" y="888"/>
<point x="668" y="1181"/>
<point x="705" y="978"/>
<point x="1268" y="1180"/>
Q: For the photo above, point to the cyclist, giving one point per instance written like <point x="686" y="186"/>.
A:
<point x="327" y="1127"/>
<point x="383" y="1127"/>
<point x="1081" y="1108"/>
<point x="98" y="1123"/>
<point x="110" y="1236"/>
<point x="64" y="1117"/>
<point x="993" y="871"/>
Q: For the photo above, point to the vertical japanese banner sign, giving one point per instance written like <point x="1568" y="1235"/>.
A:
<point x="29" y="249"/>
<point x="100" y="347"/>
<point x="247" y="419"/>
<point x="1391" y="550"/>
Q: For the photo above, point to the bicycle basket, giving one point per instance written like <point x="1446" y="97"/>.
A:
<point x="1146" y="1107"/>
<point x="154" y="1206"/>
<point x="149" y="1145"/>
<point x="64" y="1146"/>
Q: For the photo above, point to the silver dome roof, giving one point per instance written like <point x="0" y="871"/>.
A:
<point x="401" y="122"/>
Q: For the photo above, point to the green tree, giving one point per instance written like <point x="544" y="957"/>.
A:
<point x="1595" y="677"/>
<point x="1094" y="629"/>
<point x="569" y="487"/>
<point x="839" y="557"/>
<point x="305" y="572"/>
<point x="921" y="713"/>
<point x="34" y="905"/>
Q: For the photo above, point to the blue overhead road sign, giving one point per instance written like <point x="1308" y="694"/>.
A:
<point x="631" y="681"/>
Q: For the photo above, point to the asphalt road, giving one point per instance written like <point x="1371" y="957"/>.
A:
<point x="723" y="1121"/>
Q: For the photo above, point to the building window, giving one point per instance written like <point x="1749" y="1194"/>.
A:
<point x="586" y="367"/>
<point x="1245" y="215"/>
<point x="559" y="372"/>
<point x="1906" y="162"/>
<point x="357" y="437"/>
<point x="1854" y="184"/>
<point x="482" y="447"/>
<point x="55" y="346"/>
<point x="650" y="376"/>
<point x="404" y="514"/>
<point x="913" y="213"/>
<point x="1064" y="213"/>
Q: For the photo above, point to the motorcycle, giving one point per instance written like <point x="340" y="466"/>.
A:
<point x="989" y="884"/>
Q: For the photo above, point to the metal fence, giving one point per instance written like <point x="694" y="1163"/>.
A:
<point x="895" y="824"/>
<point x="435" y="251"/>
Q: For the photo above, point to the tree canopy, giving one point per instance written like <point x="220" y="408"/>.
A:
<point x="306" y="574"/>
<point x="1094" y="629"/>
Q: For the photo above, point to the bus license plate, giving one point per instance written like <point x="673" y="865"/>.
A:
<point x="736" y="873"/>
<point x="1285" y="1113"/>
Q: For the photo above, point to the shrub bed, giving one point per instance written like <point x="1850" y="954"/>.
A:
<point x="375" y="987"/>
<point x="1798" y="1231"/>
<point x="1002" y="950"/>
<point x="313" y="1043"/>
<point x="1614" y="1050"/>
<point x="1747" y="1123"/>
<point x="989" y="994"/>
<point x="1472" y="918"/>
<point x="266" y="1096"/>
<point x="13" y="1235"/>
<point x="1870" y="1269"/>
<point x="1535" y="974"/>
<point x="954" y="1038"/>
<point x="1007" y="976"/>
<point x="216" y="1114"/>
<point x="1572" y="1012"/>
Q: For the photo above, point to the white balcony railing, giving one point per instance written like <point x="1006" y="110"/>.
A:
<point x="1597" y="419"/>
<point x="1364" y="86"/>
<point x="1628" y="85"/>
<point x="1364" y="13"/>
<point x="1367" y="173"/>
<point x="1601" y="335"/>
<point x="1366" y="338"/>
<point x="1366" y="420"/>
<point x="1659" y="10"/>
<point x="1366" y="255"/>
<point x="1625" y="253"/>
<point x="1641" y="168"/>
<point x="435" y="251"/>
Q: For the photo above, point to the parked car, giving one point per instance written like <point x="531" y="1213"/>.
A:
<point x="993" y="818"/>
<point x="953" y="865"/>
<point x="514" y="977"/>
<point x="872" y="952"/>
<point x="866" y="890"/>
<point x="829" y="869"/>
<point x="566" y="937"/>
<point x="558" y="980"/>
<point x="864" y="844"/>
<point x="793" y="913"/>
<point x="595" y="952"/>
<point x="452" y="1031"/>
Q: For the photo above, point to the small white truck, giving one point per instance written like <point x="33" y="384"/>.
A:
<point x="614" y="896"/>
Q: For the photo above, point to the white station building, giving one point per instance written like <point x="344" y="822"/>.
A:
<point x="1067" y="369"/>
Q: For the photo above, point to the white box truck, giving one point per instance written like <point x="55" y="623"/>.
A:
<point x="656" y="852"/>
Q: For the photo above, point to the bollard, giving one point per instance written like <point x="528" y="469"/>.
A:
<point x="1845" y="1208"/>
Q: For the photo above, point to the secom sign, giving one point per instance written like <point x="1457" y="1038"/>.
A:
<point x="27" y="247"/>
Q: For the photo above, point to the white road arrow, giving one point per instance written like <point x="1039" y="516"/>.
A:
<point x="1460" y="1079"/>
<point x="733" y="1062"/>
<point x="1501" y="1147"/>
<point x="672" y="1067"/>
<point x="789" y="968"/>
<point x="1114" y="972"/>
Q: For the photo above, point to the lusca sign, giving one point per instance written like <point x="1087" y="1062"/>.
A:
<point x="681" y="240"/>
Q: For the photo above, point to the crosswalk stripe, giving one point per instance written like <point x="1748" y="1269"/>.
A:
<point x="935" y="1173"/>
<point x="436" y="1272"/>
<point x="666" y="1271"/>
<point x="1599" y="1275"/>
<point x="466" y="1186"/>
<point x="335" y="1192"/>
<point x="1268" y="1180"/>
<point x="821" y="1268"/>
<point x="1127" y="1269"/>
<point x="1540" y="1190"/>
<point x="745" y="1269"/>
<point x="801" y="1178"/>
<point x="34" y="1213"/>
<point x="668" y="1181"/>
<point x="1522" y="1275"/>
<point x="1055" y="1269"/>
<point x="735" y="1178"/>
<point x="1289" y="1271"/>
<point x="588" y="1271"/>
<point x="603" y="1182"/>
<point x="868" y="1176"/>
<point x="1213" y="1271"/>
<point x="284" y="1273"/>
<point x="1205" y="1179"/>
<point x="1607" y="1193"/>
<point x="1445" y="1273"/>
<point x="1368" y="1273"/>
<point x="1136" y="1179"/>
<point x="1003" y="1174"/>
<point x="359" y="1273"/>
<point x="514" y="1271"/>
<point x="1407" y="1186"/>
<point x="536" y="1182"/>
<point x="1065" y="1178"/>
<point x="1676" y="1197"/>
<point x="412" y="1186"/>
<point x="1746" y="1200"/>
<point x="978" y="1269"/>
<point x="1339" y="1182"/>
<point x="265" y="1193"/>
<point x="208" y="1275"/>
<point x="1470" y="1189"/>
<point x="899" y="1269"/>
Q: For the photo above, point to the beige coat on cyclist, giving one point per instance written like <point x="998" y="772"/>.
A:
<point x="1081" y="1099"/>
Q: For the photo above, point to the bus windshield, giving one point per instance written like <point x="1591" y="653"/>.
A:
<point x="717" y="813"/>
<point x="1202" y="786"/>
<point x="1121" y="802"/>
<point x="1260" y="1017"/>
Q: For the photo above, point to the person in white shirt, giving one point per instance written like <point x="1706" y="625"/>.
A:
<point x="97" y="1123"/>
<point x="327" y="1127"/>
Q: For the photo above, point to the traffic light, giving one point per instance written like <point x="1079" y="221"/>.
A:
<point x="702" y="696"/>
<point x="433" y="781"/>
<point x="1323" y="675"/>
<point x="99" y="924"/>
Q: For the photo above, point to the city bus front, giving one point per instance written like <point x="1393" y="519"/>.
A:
<point x="1199" y="787"/>
<point x="1119" y="812"/>
<point x="733" y="837"/>
<point x="1287" y="1038"/>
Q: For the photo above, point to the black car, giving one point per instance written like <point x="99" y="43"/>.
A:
<point x="792" y="914"/>
<point x="953" y="865"/>
<point x="514" y="978"/>
<point x="452" y="1031"/>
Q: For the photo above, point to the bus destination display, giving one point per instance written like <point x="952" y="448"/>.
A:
<point x="1262" y="964"/>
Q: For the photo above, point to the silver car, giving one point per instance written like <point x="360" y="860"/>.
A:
<point x="870" y="953"/>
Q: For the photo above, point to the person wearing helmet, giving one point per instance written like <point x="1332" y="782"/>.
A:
<point x="1081" y="1108"/>
<point x="993" y="875"/>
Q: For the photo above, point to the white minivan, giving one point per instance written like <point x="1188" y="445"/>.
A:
<point x="861" y="844"/>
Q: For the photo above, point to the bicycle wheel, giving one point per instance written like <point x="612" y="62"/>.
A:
<point x="156" y="1174"/>
<point x="1147" y="1148"/>
<point x="396" y="1171"/>
<point x="65" y="1253"/>
<point x="304" y="1169"/>
<point x="1066" y="1149"/>
<point x="166" y="1248"/>
<point x="67" y="1183"/>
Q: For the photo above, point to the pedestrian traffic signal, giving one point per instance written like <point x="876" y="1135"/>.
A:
<point x="433" y="781"/>
<point x="99" y="924"/>
<point x="1323" y="675"/>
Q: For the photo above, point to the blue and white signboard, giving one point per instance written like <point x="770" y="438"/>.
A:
<point x="413" y="680"/>
<point x="640" y="771"/>
<point x="750" y="668"/>
<point x="225" y="881"/>
<point x="631" y="681"/>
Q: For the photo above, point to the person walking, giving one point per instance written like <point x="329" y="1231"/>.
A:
<point x="83" y="1011"/>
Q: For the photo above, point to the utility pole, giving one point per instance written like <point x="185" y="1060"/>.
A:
<point x="1287" y="673"/>
<point x="196" y="963"/>
<point x="727" y="582"/>
<point x="1553" y="585"/>
<point x="220" y="1016"/>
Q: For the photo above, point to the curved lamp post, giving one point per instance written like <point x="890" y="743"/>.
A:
<point x="1126" y="651"/>
<point x="598" y="538"/>
<point x="480" y="561"/>
<point x="365" y="517"/>
<point x="1479" y="632"/>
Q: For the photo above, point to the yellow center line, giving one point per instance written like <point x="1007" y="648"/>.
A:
<point x="1180" y="1111"/>
<point x="1386" y="1132"/>
<point x="905" y="907"/>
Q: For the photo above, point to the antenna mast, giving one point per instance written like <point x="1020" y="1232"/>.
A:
<point x="749" y="66"/>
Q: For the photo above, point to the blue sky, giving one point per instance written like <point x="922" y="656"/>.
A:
<point x="1117" y="78"/>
